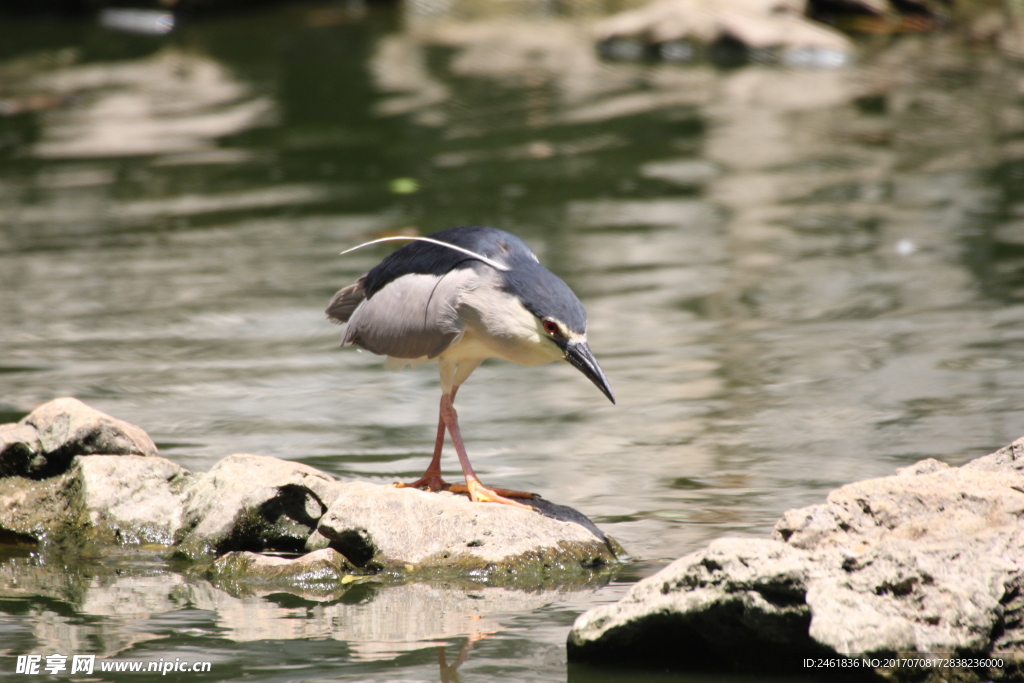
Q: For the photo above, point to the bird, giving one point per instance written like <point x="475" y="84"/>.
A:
<point x="458" y="297"/>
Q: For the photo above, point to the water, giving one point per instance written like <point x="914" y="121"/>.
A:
<point x="795" y="278"/>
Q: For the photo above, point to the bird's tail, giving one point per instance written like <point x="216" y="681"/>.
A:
<point x="346" y="302"/>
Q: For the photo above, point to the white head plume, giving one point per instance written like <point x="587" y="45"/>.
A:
<point x="491" y="262"/>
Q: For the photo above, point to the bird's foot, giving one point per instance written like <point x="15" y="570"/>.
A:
<point x="479" y="493"/>
<point x="430" y="481"/>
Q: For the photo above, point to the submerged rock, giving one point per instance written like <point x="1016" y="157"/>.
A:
<point x="326" y="566"/>
<point x="408" y="530"/>
<point x="925" y="562"/>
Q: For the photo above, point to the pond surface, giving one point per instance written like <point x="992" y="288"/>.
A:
<point x="794" y="278"/>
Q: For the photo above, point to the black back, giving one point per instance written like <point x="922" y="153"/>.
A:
<point x="424" y="258"/>
<point x="540" y="290"/>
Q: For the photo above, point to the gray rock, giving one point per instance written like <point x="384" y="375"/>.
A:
<point x="118" y="499"/>
<point x="249" y="504"/>
<point x="33" y="512"/>
<point x="44" y="442"/>
<point x="256" y="503"/>
<point x="130" y="499"/>
<point x="927" y="561"/>
<point x="408" y="530"/>
<point x="20" y="450"/>
<point x="317" y="541"/>
<point x="738" y="595"/>
<point x="1008" y="458"/>
<point x="920" y="562"/>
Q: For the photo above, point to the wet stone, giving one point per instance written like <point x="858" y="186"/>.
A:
<point x="320" y="566"/>
<point x="119" y="500"/>
<point x="925" y="561"/>
<point x="33" y="512"/>
<point x="412" y="531"/>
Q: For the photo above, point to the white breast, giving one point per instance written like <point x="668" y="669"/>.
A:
<point x="496" y="325"/>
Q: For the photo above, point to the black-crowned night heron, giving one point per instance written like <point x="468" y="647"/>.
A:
<point x="460" y="296"/>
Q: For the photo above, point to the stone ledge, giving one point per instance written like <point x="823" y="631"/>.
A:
<point x="926" y="561"/>
<point x="249" y="504"/>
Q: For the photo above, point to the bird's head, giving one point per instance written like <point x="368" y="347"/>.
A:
<point x="559" y="317"/>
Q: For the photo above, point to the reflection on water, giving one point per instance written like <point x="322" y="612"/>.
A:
<point x="134" y="604"/>
<point x="794" y="279"/>
<point x="170" y="102"/>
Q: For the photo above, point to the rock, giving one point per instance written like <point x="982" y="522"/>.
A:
<point x="254" y="502"/>
<point x="927" y="561"/>
<point x="236" y="569"/>
<point x="33" y="512"/>
<point x="248" y="504"/>
<point x="1009" y="459"/>
<point x="738" y="595"/>
<point x="408" y="530"/>
<point x="760" y="25"/>
<point x="317" y="541"/>
<point x="130" y="499"/>
<point x="19" y="449"/>
<point x="44" y="442"/>
<point x="122" y="499"/>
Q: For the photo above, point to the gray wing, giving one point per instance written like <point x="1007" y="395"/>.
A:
<point x="412" y="316"/>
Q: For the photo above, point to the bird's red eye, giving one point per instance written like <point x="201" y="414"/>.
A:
<point x="551" y="327"/>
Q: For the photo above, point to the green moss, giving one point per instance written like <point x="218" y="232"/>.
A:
<point x="567" y="565"/>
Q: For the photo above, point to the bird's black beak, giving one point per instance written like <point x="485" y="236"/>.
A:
<point x="580" y="356"/>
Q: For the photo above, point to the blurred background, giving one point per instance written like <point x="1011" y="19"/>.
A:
<point x="798" y="230"/>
